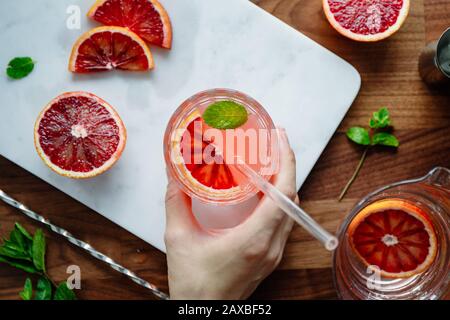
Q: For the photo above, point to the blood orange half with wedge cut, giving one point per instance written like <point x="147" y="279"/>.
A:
<point x="79" y="135"/>
<point x="396" y="236"/>
<point x="107" y="48"/>
<point x="147" y="18"/>
<point x="366" y="20"/>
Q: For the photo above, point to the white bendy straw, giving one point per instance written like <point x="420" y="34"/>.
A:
<point x="288" y="206"/>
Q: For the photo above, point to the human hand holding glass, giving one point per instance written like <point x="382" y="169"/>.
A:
<point x="230" y="263"/>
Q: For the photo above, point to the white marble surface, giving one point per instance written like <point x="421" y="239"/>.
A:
<point x="217" y="43"/>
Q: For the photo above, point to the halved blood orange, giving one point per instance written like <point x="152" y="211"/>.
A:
<point x="107" y="48"/>
<point x="147" y="18"/>
<point x="366" y="20"/>
<point x="79" y="135"/>
<point x="394" y="235"/>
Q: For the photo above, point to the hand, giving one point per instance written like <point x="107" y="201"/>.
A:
<point x="231" y="263"/>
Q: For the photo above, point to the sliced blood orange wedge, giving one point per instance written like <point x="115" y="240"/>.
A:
<point x="147" y="18"/>
<point x="78" y="135"/>
<point x="213" y="174"/>
<point x="107" y="48"/>
<point x="366" y="20"/>
<point x="394" y="235"/>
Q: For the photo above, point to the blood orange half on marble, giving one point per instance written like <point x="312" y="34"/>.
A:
<point x="79" y="135"/>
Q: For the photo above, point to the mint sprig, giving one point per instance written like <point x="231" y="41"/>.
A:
<point x="20" y="67"/>
<point x="225" y="115"/>
<point x="26" y="252"/>
<point x="376" y="135"/>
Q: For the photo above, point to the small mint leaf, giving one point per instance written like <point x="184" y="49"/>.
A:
<point x="43" y="290"/>
<point x="20" y="67"/>
<point x="380" y="119"/>
<point x="385" y="139"/>
<point x="19" y="264"/>
<point x="23" y="231"/>
<point x="14" y="252"/>
<point x="64" y="293"/>
<point x="18" y="239"/>
<point x="27" y="292"/>
<point x="359" y="135"/>
<point x="225" y="115"/>
<point x="38" y="250"/>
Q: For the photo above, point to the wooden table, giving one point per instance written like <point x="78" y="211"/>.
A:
<point x="389" y="78"/>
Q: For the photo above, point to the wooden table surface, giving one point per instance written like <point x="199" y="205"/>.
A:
<point x="389" y="78"/>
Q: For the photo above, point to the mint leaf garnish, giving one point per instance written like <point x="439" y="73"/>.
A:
<point x="19" y="68"/>
<point x="380" y="121"/>
<point x="225" y="115"/>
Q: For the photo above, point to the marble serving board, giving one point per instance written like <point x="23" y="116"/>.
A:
<point x="217" y="43"/>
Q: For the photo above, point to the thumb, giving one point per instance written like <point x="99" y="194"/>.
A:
<point x="178" y="208"/>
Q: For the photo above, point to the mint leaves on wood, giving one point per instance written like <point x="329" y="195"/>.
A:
<point x="20" y="67"/>
<point x="27" y="252"/>
<point x="376" y="135"/>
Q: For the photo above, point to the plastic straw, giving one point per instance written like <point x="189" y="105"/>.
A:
<point x="289" y="207"/>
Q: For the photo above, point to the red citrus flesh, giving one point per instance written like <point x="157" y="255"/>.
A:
<point x="107" y="48"/>
<point x="395" y="236"/>
<point x="147" y="18"/>
<point x="79" y="135"/>
<point x="215" y="174"/>
<point x="366" y="20"/>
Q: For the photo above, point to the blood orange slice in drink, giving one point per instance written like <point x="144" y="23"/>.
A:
<point x="78" y="135"/>
<point x="396" y="236"/>
<point x="212" y="173"/>
<point x="107" y="48"/>
<point x="147" y="18"/>
<point x="366" y="20"/>
<point x="194" y="157"/>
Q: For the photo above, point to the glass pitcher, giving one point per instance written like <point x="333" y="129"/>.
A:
<point x="355" y="280"/>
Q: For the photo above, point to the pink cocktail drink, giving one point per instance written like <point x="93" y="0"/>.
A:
<point x="202" y="157"/>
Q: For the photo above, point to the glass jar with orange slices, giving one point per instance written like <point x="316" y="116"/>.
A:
<point x="395" y="242"/>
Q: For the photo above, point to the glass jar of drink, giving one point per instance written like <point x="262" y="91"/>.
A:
<point x="395" y="243"/>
